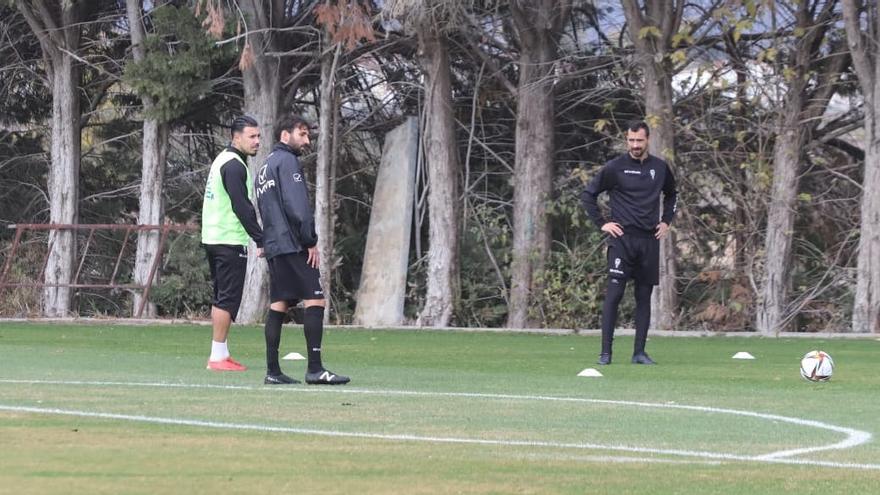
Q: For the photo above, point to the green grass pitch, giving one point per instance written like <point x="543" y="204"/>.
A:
<point x="131" y="409"/>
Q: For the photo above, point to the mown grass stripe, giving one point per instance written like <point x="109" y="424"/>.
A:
<point x="853" y="437"/>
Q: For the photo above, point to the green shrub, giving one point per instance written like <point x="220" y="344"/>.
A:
<point x="184" y="288"/>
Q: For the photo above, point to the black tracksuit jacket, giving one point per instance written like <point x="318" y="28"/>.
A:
<point x="283" y="199"/>
<point x="634" y="189"/>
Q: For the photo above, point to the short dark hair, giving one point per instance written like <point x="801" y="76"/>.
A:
<point x="289" y="122"/>
<point x="635" y="125"/>
<point x="242" y="121"/>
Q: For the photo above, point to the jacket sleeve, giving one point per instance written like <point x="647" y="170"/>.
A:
<point x="601" y="182"/>
<point x="295" y="202"/>
<point x="234" y="178"/>
<point x="670" y="197"/>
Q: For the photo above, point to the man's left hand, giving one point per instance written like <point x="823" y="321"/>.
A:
<point x="661" y="230"/>
<point x="313" y="257"/>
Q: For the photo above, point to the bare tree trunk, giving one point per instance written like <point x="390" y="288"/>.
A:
<point x="441" y="155"/>
<point x="155" y="150"/>
<point x="334" y="166"/>
<point x="57" y="28"/>
<point x="866" y="307"/>
<point x="651" y="49"/>
<point x="63" y="183"/>
<point x="799" y="112"/>
<point x="151" y="207"/>
<point x="773" y="295"/>
<point x="658" y="107"/>
<point x="532" y="184"/>
<point x="325" y="174"/>
<point x="538" y="25"/>
<point x="863" y="46"/>
<point x="262" y="91"/>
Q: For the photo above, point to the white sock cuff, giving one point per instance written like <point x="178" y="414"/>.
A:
<point x="219" y="351"/>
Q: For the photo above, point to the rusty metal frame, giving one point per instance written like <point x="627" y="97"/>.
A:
<point x="164" y="230"/>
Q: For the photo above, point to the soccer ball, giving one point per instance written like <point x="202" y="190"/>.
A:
<point x="817" y="366"/>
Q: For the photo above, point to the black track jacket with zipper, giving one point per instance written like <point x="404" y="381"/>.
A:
<point x="634" y="188"/>
<point x="283" y="199"/>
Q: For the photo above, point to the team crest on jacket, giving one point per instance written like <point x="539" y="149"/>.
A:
<point x="652" y="174"/>
<point x="297" y="177"/>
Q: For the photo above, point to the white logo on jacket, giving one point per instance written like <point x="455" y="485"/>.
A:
<point x="652" y="174"/>
<point x="263" y="184"/>
<point x="297" y="177"/>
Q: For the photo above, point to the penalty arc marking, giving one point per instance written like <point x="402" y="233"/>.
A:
<point x="853" y="437"/>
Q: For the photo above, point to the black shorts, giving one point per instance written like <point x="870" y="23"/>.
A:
<point x="228" y="264"/>
<point x="636" y="257"/>
<point x="291" y="279"/>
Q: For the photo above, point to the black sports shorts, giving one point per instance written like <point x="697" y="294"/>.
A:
<point x="634" y="256"/>
<point x="228" y="264"/>
<point x="291" y="279"/>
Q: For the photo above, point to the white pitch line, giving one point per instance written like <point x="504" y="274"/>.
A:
<point x="419" y="438"/>
<point x="853" y="437"/>
<point x="612" y="458"/>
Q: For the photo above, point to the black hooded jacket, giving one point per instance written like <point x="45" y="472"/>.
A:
<point x="283" y="199"/>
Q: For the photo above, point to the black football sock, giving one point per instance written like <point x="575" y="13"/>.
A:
<point x="313" y="328"/>
<point x="643" y="315"/>
<point x="274" y="320"/>
<point x="613" y="295"/>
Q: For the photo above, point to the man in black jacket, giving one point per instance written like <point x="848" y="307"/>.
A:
<point x="634" y="182"/>
<point x="290" y="246"/>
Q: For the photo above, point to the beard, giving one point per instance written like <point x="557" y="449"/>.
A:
<point x="297" y="148"/>
<point x="637" y="153"/>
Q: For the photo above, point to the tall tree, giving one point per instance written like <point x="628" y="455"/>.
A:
<point x="57" y="26"/>
<point x="431" y="22"/>
<point x="344" y="25"/>
<point x="806" y="98"/>
<point x="443" y="166"/>
<point x="262" y="75"/>
<point x="651" y="29"/>
<point x="538" y="26"/>
<point x="155" y="149"/>
<point x="325" y="169"/>
<point x="171" y="72"/>
<point x="862" y="21"/>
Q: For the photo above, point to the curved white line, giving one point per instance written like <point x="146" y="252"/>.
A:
<point x="853" y="437"/>
<point x="418" y="438"/>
